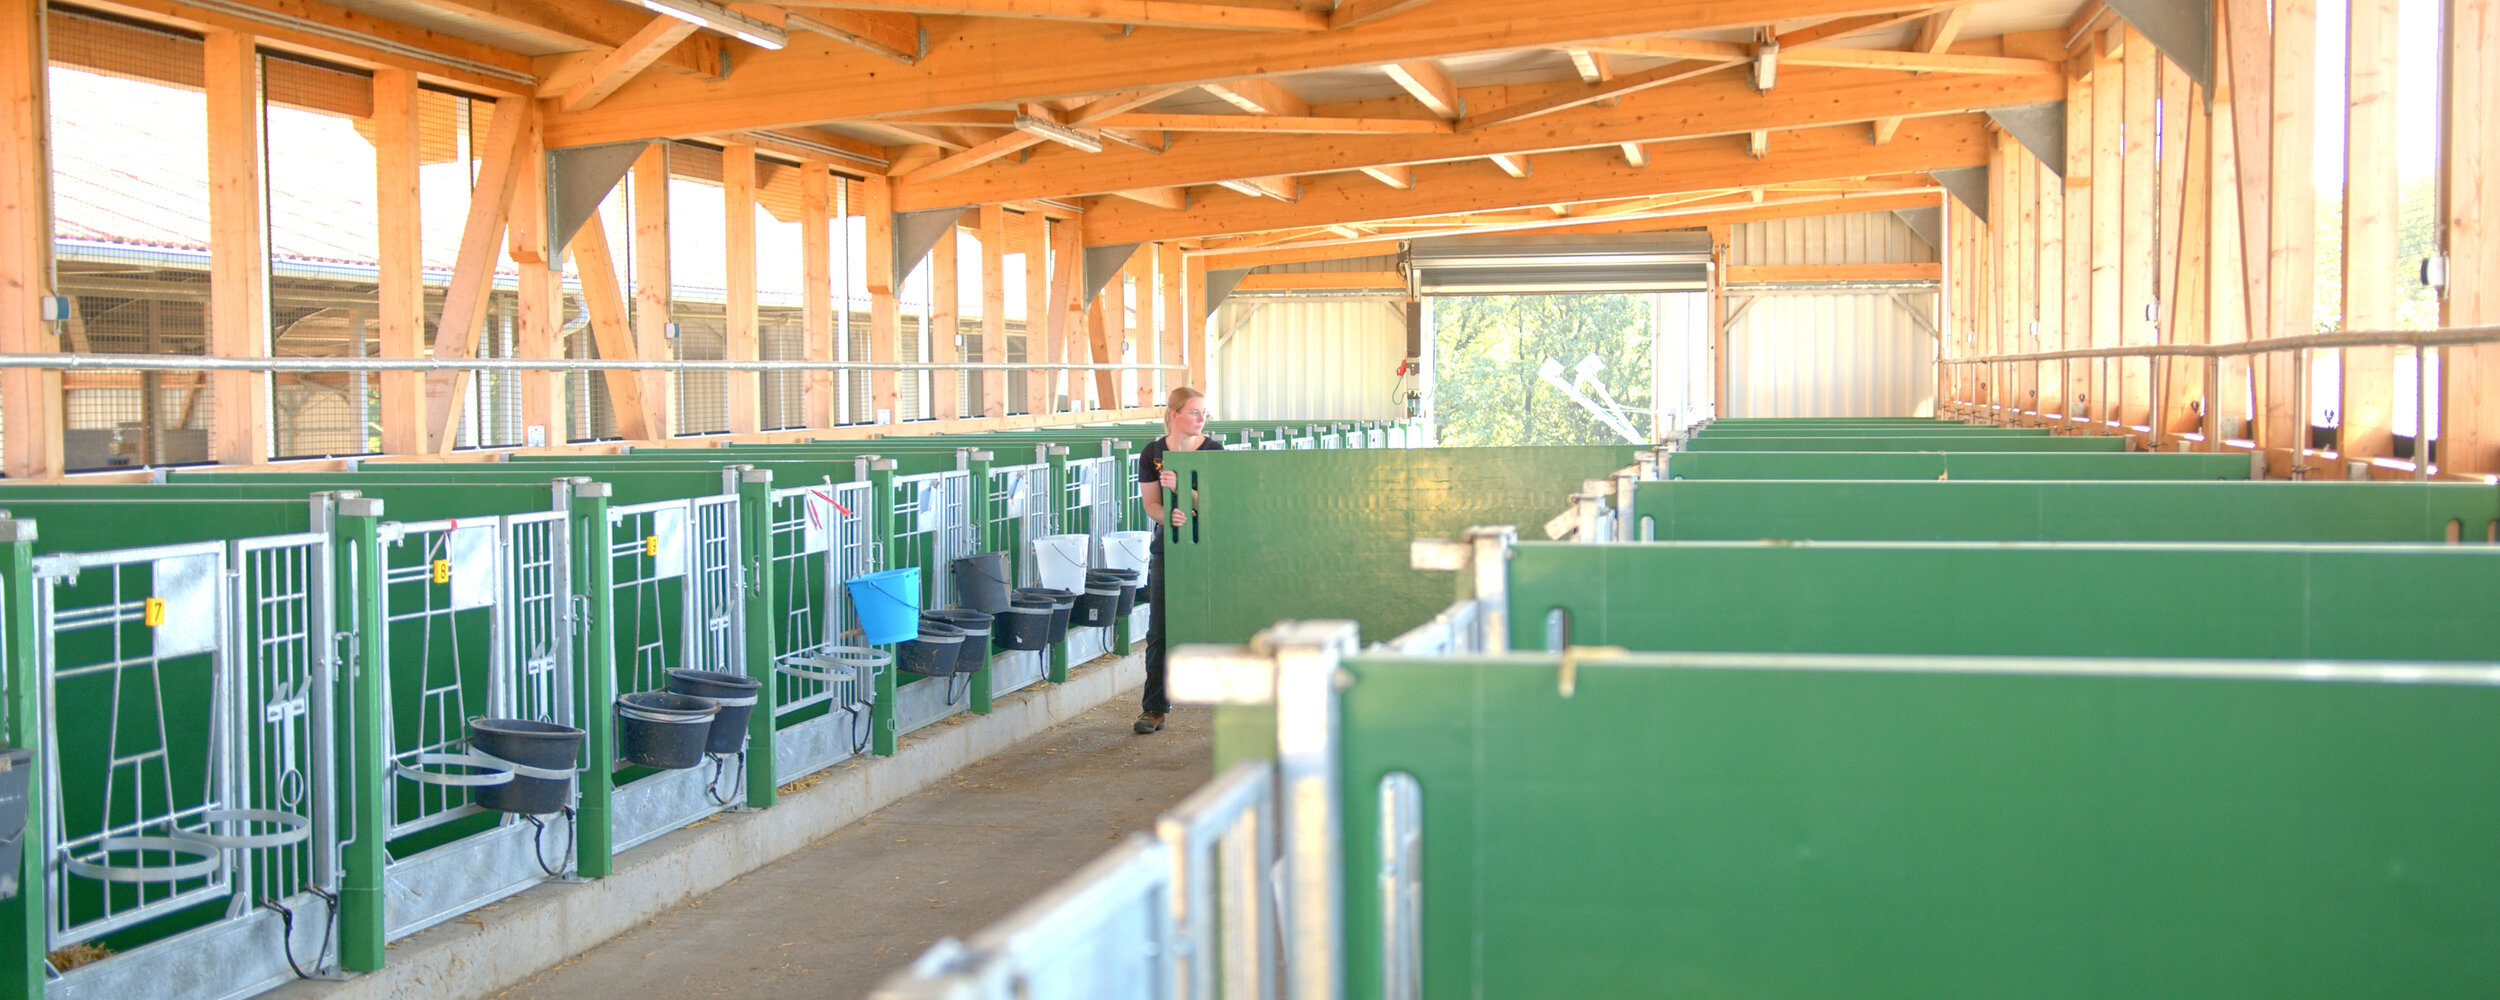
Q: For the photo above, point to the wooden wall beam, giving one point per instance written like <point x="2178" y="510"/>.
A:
<point x="238" y="248"/>
<point x="653" y="287"/>
<point x="816" y="297"/>
<point x="885" y="317"/>
<point x="2109" y="93"/>
<point x="401" y="278"/>
<point x="994" y="308"/>
<point x="2139" y="214"/>
<point x="1194" y="336"/>
<point x="2372" y="217"/>
<point x="603" y="296"/>
<point x="945" y="322"/>
<point x="2472" y="205"/>
<point x="1068" y="298"/>
<point x="30" y="398"/>
<point x="744" y="341"/>
<point x="1040" y="319"/>
<point x="540" y="312"/>
<point x="2292" y="278"/>
<point x="1137" y="333"/>
<point x="1172" y="305"/>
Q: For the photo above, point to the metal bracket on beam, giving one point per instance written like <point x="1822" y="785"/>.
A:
<point x="2182" y="29"/>
<point x="915" y="233"/>
<point x="2041" y="128"/>
<point x="578" y="179"/>
<point x="1927" y="222"/>
<point x="1220" y="285"/>
<point x="1969" y="186"/>
<point x="1103" y="264"/>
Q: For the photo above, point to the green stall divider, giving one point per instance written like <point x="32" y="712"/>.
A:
<point x="1940" y="430"/>
<point x="1931" y="442"/>
<point x="1952" y="465"/>
<point x="1745" y="510"/>
<point x="1313" y="534"/>
<point x="2226" y="601"/>
<point x="1841" y="828"/>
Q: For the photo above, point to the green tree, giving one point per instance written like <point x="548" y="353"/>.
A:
<point x="1488" y="348"/>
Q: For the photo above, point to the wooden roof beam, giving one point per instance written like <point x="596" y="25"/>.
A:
<point x="1266" y="123"/>
<point x="1586" y="175"/>
<point x="1400" y="178"/>
<point x="1308" y="245"/>
<point x="818" y="80"/>
<point x="1674" y="72"/>
<point x="1590" y="65"/>
<point x="597" y="25"/>
<point x="894" y="36"/>
<point x="1843" y="27"/>
<point x="1718" y="104"/>
<point x="1142" y="13"/>
<point x="1423" y="80"/>
<point x="1514" y="165"/>
<point x="1350" y="13"/>
<point x="620" y="65"/>
<point x="1260" y="97"/>
<point x="1909" y="62"/>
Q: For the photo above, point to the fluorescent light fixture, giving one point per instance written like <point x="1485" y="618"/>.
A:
<point x="721" y="19"/>
<point x="1766" y="65"/>
<point x="1055" y="132"/>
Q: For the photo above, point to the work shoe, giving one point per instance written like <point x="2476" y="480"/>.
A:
<point x="1148" y="722"/>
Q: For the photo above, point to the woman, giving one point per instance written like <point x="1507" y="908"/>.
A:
<point x="1184" y="429"/>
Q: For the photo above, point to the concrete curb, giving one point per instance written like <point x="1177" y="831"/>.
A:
<point x="497" y="946"/>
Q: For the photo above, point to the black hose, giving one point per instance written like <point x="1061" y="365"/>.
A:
<point x="286" y="933"/>
<point x="538" y="848"/>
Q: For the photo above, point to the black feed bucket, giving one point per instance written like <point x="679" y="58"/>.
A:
<point x="663" y="728"/>
<point x="933" y="653"/>
<point x="1096" y="608"/>
<point x="1022" y="628"/>
<point x="981" y="581"/>
<point x="549" y="750"/>
<point x="733" y="693"/>
<point x="1062" y="605"/>
<point x="17" y="769"/>
<point x="1125" y="578"/>
<point x="976" y="628"/>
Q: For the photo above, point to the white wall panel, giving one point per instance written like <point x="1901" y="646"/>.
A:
<point x="1856" y="238"/>
<point x="1832" y="354"/>
<point x="1299" y="359"/>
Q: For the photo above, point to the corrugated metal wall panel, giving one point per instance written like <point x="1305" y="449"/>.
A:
<point x="1306" y="360"/>
<point x="1857" y="238"/>
<point x="1830" y="355"/>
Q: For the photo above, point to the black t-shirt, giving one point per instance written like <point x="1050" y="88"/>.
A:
<point x="1150" y="470"/>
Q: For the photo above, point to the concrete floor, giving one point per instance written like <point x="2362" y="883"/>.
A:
<point x="835" y="919"/>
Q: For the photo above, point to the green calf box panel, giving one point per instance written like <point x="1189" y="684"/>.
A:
<point x="1713" y="827"/>
<point x="1930" y="442"/>
<point x="1744" y="510"/>
<point x="1952" y="465"/>
<point x="1325" y="534"/>
<point x="1940" y="430"/>
<point x="2269" y="602"/>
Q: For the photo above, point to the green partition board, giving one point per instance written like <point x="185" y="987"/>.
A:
<point x="1709" y="827"/>
<point x="1325" y="534"/>
<point x="1929" y="442"/>
<point x="1939" y="430"/>
<point x="1973" y="510"/>
<point x="86" y="524"/>
<point x="631" y="486"/>
<point x="2232" y="601"/>
<point x="1953" y="465"/>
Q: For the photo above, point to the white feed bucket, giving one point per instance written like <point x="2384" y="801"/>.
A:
<point x="1127" y="550"/>
<point x="1062" y="561"/>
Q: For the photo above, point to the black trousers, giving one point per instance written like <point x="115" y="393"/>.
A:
<point x="1154" y="699"/>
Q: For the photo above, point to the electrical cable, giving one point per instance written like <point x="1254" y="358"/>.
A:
<point x="286" y="932"/>
<point x="538" y="850"/>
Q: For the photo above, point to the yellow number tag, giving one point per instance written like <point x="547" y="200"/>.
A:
<point x="154" y="613"/>
<point x="442" y="571"/>
<point x="651" y="545"/>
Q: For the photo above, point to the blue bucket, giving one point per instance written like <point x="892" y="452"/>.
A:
<point x="888" y="605"/>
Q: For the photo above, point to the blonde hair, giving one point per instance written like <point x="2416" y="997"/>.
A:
<point x="1181" y="395"/>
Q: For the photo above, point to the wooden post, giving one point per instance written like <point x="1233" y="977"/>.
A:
<point x="742" y="343"/>
<point x="1039" y="330"/>
<point x="2372" y="216"/>
<point x="2109" y="177"/>
<point x="30" y="397"/>
<point x="945" y="323"/>
<point x="885" y="318"/>
<point x="2472" y="204"/>
<point x="502" y="163"/>
<point x="2141" y="204"/>
<point x="2251" y="74"/>
<point x="1172" y="305"/>
<point x="816" y="293"/>
<point x="653" y="287"/>
<point x="993" y="309"/>
<point x="2076" y="333"/>
<point x="2049" y="377"/>
<point x="1067" y="297"/>
<point x="238" y="247"/>
<point x="2291" y="279"/>
<point x="402" y="278"/>
<point x="1719" y="241"/>
<point x="540" y="310"/>
<point x="1137" y="330"/>
<point x="2187" y="310"/>
<point x="2226" y="379"/>
<point x="603" y="298"/>
<point x="1194" y="320"/>
<point x="1099" y="320"/>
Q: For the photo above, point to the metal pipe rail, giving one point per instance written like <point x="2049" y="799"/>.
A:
<point x="181" y="363"/>
<point x="2417" y="339"/>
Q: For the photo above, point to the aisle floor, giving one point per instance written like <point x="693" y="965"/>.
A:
<point x="835" y="919"/>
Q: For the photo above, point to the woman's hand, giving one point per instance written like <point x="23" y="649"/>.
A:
<point x="1169" y="479"/>
<point x="1180" y="516"/>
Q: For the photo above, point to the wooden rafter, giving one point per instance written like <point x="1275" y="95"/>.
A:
<point x="603" y="296"/>
<point x="1155" y="13"/>
<point x="598" y="25"/>
<point x="894" y="36"/>
<point x="1590" y="65"/>
<point x="627" y="60"/>
<point x="1823" y="55"/>
<point x="1260" y="97"/>
<point x="1176" y="199"/>
<point x="1399" y="177"/>
<point x="1262" y="249"/>
<point x="1512" y="164"/>
<point x="1007" y="144"/>
<point x="1424" y="81"/>
<point x="1100" y="108"/>
<point x="1305" y="125"/>
<point x="1633" y="83"/>
<point x="1634" y="155"/>
<point x="1350" y="13"/>
<point x="806" y="85"/>
<point x="1716" y="104"/>
<point x="473" y="271"/>
<point x="1843" y="27"/>
<point x="335" y="34"/>
<point x="1934" y="37"/>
